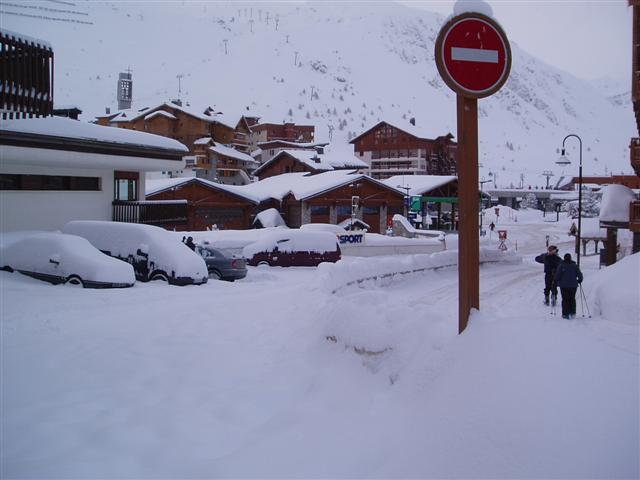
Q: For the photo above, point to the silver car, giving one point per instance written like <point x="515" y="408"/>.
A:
<point x="222" y="266"/>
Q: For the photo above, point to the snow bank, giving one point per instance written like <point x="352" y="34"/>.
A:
<point x="336" y="276"/>
<point x="615" y="291"/>
<point x="615" y="203"/>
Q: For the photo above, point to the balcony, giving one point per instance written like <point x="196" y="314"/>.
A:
<point x="634" y="151"/>
<point x="634" y="216"/>
<point x="166" y="213"/>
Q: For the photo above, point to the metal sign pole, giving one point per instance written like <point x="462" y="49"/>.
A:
<point x="468" y="241"/>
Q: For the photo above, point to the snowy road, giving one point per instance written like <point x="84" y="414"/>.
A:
<point x="273" y="376"/>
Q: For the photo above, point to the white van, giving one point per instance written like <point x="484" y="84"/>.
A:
<point x="155" y="253"/>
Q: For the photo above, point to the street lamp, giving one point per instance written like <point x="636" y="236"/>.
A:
<point x="406" y="196"/>
<point x="564" y="161"/>
<point x="482" y="182"/>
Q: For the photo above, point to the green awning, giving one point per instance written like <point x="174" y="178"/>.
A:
<point x="441" y="199"/>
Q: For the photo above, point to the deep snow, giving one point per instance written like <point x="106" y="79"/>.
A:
<point x="274" y="376"/>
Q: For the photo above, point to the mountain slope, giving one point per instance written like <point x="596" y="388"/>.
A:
<point x="342" y="67"/>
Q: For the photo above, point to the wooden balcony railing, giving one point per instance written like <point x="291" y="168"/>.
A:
<point x="634" y="152"/>
<point x="634" y="216"/>
<point x="151" y="212"/>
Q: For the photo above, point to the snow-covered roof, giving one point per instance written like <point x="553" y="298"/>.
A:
<point x="25" y="38"/>
<point x="416" y="131"/>
<point x="153" y="186"/>
<point x="67" y="128"/>
<point x="292" y="144"/>
<point x="221" y="149"/>
<point x="305" y="185"/>
<point x="419" y="184"/>
<point x="160" y="113"/>
<point x="256" y="153"/>
<point x="270" y="218"/>
<point x="207" y="115"/>
<point x="320" y="161"/>
<point x="203" y="141"/>
<point x="616" y="201"/>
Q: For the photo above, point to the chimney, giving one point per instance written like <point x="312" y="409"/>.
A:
<point x="177" y="102"/>
<point x="107" y="110"/>
<point x="412" y="121"/>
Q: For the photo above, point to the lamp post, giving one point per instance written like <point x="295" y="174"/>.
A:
<point x="563" y="160"/>
<point x="406" y="196"/>
<point x="482" y="182"/>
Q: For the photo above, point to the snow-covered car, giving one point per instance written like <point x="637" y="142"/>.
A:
<point x="221" y="265"/>
<point x="155" y="253"/>
<point x="293" y="248"/>
<point x="59" y="258"/>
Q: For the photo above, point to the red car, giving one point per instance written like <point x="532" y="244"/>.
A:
<point x="293" y="248"/>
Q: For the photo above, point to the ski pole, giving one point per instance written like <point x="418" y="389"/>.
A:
<point x="585" y="299"/>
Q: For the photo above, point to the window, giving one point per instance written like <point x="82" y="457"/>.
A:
<point x="319" y="210"/>
<point x="368" y="210"/>
<point x="125" y="186"/>
<point x="344" y="210"/>
<point x="48" y="182"/>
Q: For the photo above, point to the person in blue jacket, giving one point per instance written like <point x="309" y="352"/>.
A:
<point x="568" y="277"/>
<point x="551" y="260"/>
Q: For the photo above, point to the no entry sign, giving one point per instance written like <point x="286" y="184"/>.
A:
<point x="473" y="55"/>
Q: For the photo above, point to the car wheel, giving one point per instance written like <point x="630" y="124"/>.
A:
<point x="74" y="281"/>
<point x="263" y="264"/>
<point x="215" y="275"/>
<point x="159" y="276"/>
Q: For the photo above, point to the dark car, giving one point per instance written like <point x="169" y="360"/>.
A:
<point x="222" y="266"/>
<point x="293" y="248"/>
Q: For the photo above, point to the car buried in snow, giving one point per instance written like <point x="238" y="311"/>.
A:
<point x="293" y="248"/>
<point x="154" y="253"/>
<point x="59" y="258"/>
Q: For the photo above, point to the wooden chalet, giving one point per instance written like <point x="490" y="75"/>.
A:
<point x="208" y="204"/>
<point x="26" y="76"/>
<point x="392" y="149"/>
<point x="271" y="148"/>
<point x="184" y="123"/>
<point x="307" y="160"/>
<point x="634" y="145"/>
<point x="328" y="197"/>
<point x="217" y="162"/>
<point x="288" y="131"/>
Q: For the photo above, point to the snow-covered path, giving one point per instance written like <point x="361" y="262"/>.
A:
<point x="275" y="377"/>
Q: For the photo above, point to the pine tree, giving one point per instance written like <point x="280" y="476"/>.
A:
<point x="529" y="201"/>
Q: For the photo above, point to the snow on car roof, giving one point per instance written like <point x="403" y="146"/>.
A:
<point x="419" y="184"/>
<point x="68" y="128"/>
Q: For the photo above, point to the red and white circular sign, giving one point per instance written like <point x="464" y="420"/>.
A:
<point x="473" y="55"/>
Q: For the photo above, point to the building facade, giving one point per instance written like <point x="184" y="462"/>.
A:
<point x="390" y="150"/>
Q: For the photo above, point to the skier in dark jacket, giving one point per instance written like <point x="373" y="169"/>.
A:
<point x="568" y="277"/>
<point x="189" y="243"/>
<point x="551" y="260"/>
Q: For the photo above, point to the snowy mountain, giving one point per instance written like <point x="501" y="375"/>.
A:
<point x="342" y="67"/>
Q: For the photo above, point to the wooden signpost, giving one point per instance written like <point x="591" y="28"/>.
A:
<point x="474" y="59"/>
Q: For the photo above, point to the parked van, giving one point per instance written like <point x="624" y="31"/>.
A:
<point x="293" y="248"/>
<point x="155" y="253"/>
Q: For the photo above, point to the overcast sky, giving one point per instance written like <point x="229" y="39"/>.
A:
<point x="590" y="39"/>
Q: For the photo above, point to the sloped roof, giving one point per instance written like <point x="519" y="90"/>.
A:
<point x="416" y="131"/>
<point x="221" y="149"/>
<point x="304" y="185"/>
<point x="154" y="186"/>
<point x="211" y="117"/>
<point x="318" y="161"/>
<point x="160" y="113"/>
<point x="419" y="184"/>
